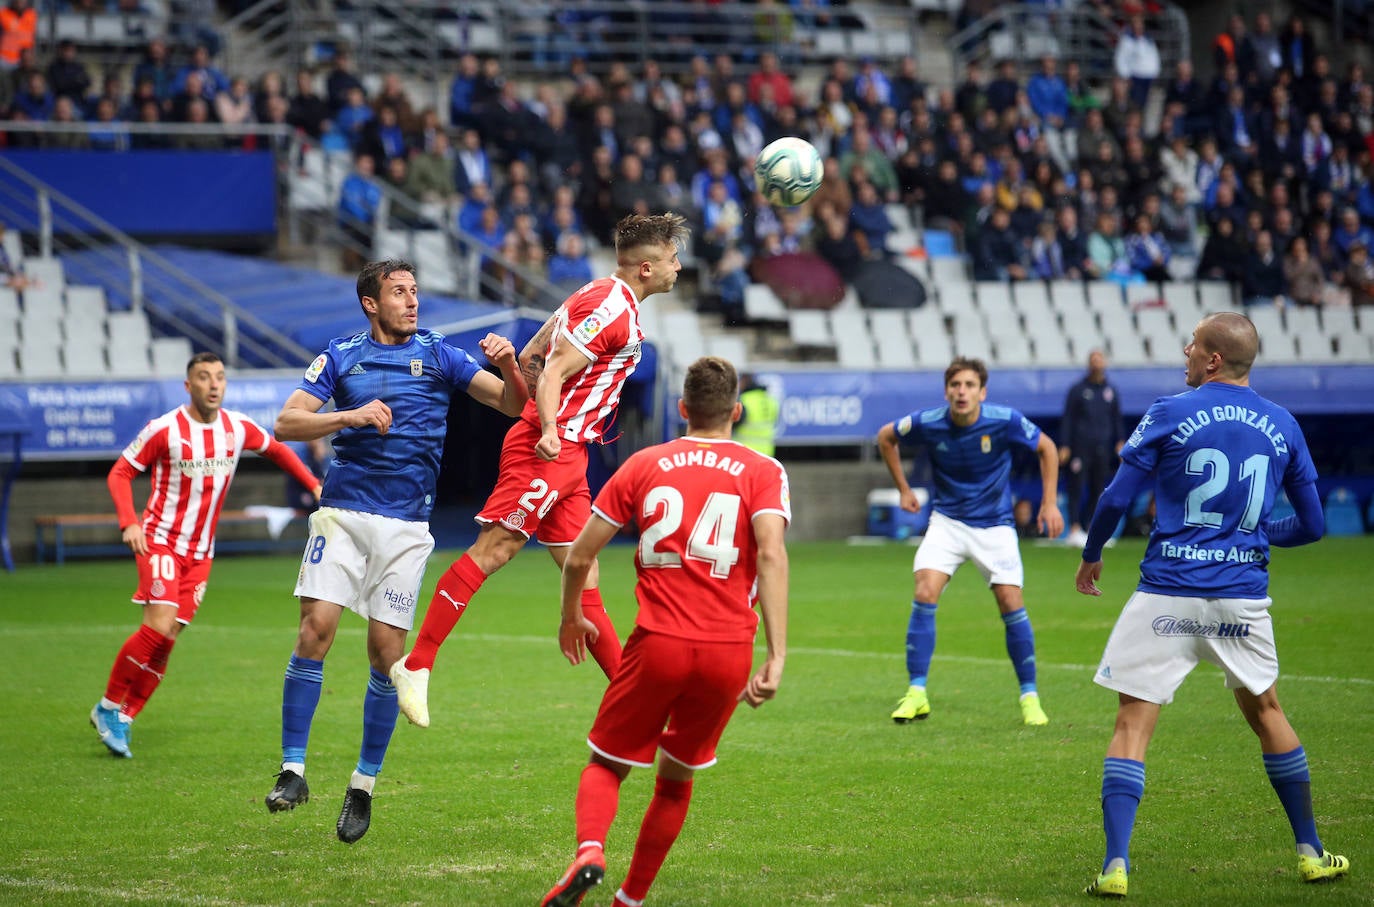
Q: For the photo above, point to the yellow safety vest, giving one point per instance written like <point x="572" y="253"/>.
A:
<point x="758" y="426"/>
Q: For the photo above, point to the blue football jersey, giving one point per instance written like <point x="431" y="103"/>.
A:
<point x="392" y="474"/>
<point x="1220" y="454"/>
<point x="972" y="465"/>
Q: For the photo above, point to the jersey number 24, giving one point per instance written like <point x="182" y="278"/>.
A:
<point x="712" y="539"/>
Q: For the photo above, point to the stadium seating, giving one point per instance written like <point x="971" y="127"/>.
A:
<point x="1343" y="513"/>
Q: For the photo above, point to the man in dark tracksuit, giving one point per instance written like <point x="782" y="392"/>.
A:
<point x="1090" y="440"/>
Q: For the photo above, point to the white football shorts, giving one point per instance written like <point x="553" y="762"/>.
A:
<point x="370" y="564"/>
<point x="993" y="550"/>
<point x="1159" y="639"/>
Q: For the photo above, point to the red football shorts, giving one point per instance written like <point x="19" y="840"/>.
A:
<point x="671" y="694"/>
<point x="536" y="498"/>
<point x="168" y="578"/>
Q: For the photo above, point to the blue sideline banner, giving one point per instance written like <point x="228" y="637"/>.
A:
<point x="162" y="193"/>
<point x="847" y="407"/>
<point x="69" y="420"/>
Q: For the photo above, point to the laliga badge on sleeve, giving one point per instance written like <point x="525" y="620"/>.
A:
<point x="417" y="367"/>
<point x="312" y="374"/>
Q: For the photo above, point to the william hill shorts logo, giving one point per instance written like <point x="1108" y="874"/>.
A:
<point x="1168" y="625"/>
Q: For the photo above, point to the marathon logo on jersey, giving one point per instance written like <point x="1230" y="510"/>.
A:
<point x="1168" y="625"/>
<point x="206" y="466"/>
<point x="399" y="601"/>
<point x="417" y="368"/>
<point x="312" y="374"/>
<point x="1138" y="435"/>
<point x="985" y="443"/>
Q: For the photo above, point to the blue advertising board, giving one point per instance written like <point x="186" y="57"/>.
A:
<point x="161" y="193"/>
<point x="826" y="406"/>
<point x="71" y="420"/>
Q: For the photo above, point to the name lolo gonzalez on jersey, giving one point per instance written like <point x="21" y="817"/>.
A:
<point x="1230" y="413"/>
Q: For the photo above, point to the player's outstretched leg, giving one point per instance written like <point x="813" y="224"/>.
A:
<point x="1292" y="782"/>
<point x="411" y="674"/>
<point x="1021" y="650"/>
<point x="1325" y="868"/>
<point x="113" y="731"/>
<point x="914" y="706"/>
<point x="920" y="646"/>
<point x="1123" y="784"/>
<point x="584" y="874"/>
<point x="300" y="697"/>
<point x="356" y="815"/>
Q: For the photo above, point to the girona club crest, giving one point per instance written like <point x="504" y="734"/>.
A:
<point x="515" y="519"/>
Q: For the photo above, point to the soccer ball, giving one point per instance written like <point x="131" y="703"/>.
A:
<point x="788" y="171"/>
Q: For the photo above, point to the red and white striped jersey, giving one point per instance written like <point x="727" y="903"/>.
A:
<point x="602" y="321"/>
<point x="694" y="500"/>
<point x="192" y="465"/>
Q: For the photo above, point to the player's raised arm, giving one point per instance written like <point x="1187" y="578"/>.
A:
<point x="300" y="418"/>
<point x="532" y="356"/>
<point x="509" y="393"/>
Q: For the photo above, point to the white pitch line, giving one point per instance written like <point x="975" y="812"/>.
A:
<point x="51" y="886"/>
<point x="551" y="640"/>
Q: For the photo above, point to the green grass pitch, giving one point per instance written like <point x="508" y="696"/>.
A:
<point x="818" y="797"/>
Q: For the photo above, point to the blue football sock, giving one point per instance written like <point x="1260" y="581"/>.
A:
<point x="1123" y="784"/>
<point x="379" y="721"/>
<point x="300" y="696"/>
<point x="920" y="642"/>
<point x="1292" y="782"/>
<point x="1021" y="648"/>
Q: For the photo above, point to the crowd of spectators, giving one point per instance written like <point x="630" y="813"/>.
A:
<point x="1259" y="175"/>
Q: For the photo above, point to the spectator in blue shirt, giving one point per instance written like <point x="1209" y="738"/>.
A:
<point x="1048" y="95"/>
<point x="569" y="268"/>
<point x="212" y="80"/>
<point x="359" y="198"/>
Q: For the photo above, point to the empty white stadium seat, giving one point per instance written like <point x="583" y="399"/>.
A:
<point x="1053" y="351"/>
<point x="1215" y="296"/>
<point x="14" y="248"/>
<point x="41" y="359"/>
<point x="48" y="271"/>
<point x="1104" y="296"/>
<point x="1338" y="322"/>
<point x="948" y="270"/>
<point x="9" y="303"/>
<point x="853" y="343"/>
<point x="45" y="297"/>
<point x="810" y="327"/>
<point x="1128" y="350"/>
<point x="1143" y="293"/>
<point x="1013" y="349"/>
<point x="128" y="329"/>
<point x="40" y="327"/>
<point x="956" y="297"/>
<point x="933" y="350"/>
<point x="733" y="348"/>
<point x="85" y="302"/>
<point x="762" y="304"/>
<point x="170" y="355"/>
<point x="1277" y="348"/>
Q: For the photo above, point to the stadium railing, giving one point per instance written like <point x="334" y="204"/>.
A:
<point x="132" y="273"/>
<point x="1026" y="32"/>
<point x="535" y="38"/>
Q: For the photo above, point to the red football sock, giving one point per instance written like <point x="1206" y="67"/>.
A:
<point x="456" y="588"/>
<point x="133" y="657"/>
<point x="606" y="649"/>
<point x="598" y="797"/>
<point x="148" y="679"/>
<point x="662" y="823"/>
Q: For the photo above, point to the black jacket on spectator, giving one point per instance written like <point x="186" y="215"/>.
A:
<point x="1262" y="278"/>
<point x="308" y="112"/>
<point x="994" y="250"/>
<point x="1223" y="257"/>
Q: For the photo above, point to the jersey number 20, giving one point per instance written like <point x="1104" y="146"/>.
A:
<point x="712" y="539"/>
